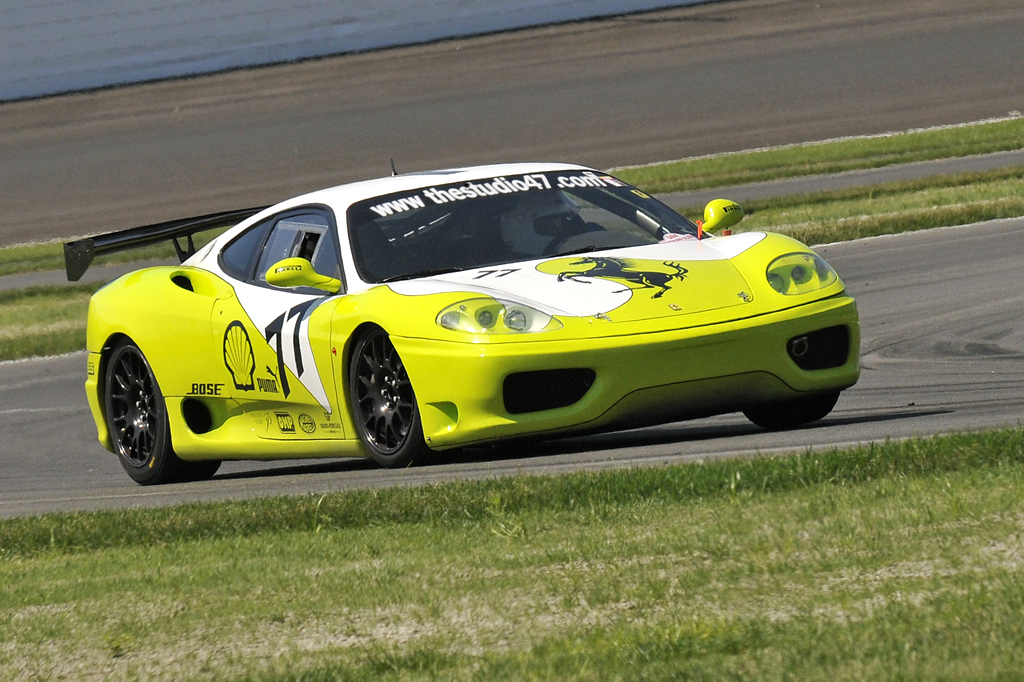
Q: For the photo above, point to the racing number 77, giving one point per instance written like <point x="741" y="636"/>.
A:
<point x="276" y="330"/>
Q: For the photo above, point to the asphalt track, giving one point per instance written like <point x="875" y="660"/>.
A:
<point x="724" y="76"/>
<point x="942" y="350"/>
<point x="943" y="337"/>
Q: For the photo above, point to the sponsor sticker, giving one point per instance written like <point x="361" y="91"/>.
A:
<point x="267" y="385"/>
<point x="306" y="423"/>
<point x="285" y="422"/>
<point x="238" y="356"/>
<point x="328" y="426"/>
<point x="675" y="237"/>
<point x="206" y="389"/>
<point x="493" y="187"/>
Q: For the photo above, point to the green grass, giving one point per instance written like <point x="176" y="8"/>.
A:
<point x="44" y="320"/>
<point x="827" y="157"/>
<point x="890" y="208"/>
<point x="902" y="560"/>
<point x="50" y="255"/>
<point x="31" y="258"/>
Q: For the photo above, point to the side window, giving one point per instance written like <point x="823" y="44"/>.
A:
<point x="305" y="234"/>
<point x="294" y="236"/>
<point x="325" y="258"/>
<point x="238" y="259"/>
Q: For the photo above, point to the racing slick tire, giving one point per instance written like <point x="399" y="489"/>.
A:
<point x="383" y="402"/>
<point x="788" y="414"/>
<point x="136" y="416"/>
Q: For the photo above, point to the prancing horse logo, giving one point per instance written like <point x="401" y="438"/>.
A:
<point x="619" y="269"/>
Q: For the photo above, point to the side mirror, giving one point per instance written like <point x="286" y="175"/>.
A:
<point x="721" y="214"/>
<point x="299" y="272"/>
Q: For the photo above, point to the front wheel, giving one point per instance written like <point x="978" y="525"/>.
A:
<point x="787" y="414"/>
<point x="137" y="420"/>
<point x="384" y="405"/>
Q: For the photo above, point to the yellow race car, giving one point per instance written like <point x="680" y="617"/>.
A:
<point x="435" y="310"/>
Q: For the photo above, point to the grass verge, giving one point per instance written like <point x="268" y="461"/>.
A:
<point x="50" y="255"/>
<point x="896" y="560"/>
<point x="890" y="208"/>
<point x="829" y="156"/>
<point x="44" y="320"/>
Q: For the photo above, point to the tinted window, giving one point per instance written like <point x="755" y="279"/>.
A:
<point x="294" y="236"/>
<point x="238" y="259"/>
<point x="308" y="234"/>
<point x="505" y="219"/>
<point x="326" y="259"/>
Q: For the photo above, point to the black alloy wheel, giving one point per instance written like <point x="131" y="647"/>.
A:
<point x="137" y="420"/>
<point x="788" y="414"/>
<point x="383" y="402"/>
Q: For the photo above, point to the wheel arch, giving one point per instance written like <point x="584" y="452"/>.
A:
<point x="410" y="444"/>
<point x="353" y="339"/>
<point x="101" y="383"/>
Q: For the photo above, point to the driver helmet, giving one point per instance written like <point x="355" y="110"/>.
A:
<point x="517" y="225"/>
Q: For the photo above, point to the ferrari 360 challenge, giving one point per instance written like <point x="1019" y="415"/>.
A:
<point x="435" y="310"/>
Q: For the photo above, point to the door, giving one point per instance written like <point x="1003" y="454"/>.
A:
<point x="276" y="342"/>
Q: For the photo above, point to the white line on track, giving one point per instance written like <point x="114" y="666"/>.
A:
<point x="33" y="410"/>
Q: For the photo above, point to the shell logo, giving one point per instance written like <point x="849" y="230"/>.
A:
<point x="238" y="356"/>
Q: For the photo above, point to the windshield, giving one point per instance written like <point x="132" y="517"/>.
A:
<point x="505" y="219"/>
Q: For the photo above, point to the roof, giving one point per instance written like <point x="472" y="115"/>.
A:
<point x="344" y="195"/>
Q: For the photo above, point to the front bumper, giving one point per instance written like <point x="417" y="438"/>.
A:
<point x="639" y="379"/>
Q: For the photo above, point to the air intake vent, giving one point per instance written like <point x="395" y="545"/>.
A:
<point x="197" y="416"/>
<point x="183" y="282"/>
<point x="823" y="349"/>
<point x="546" y="389"/>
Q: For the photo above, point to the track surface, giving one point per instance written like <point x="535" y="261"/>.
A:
<point x="942" y="350"/>
<point x="635" y="89"/>
<point x="943" y="340"/>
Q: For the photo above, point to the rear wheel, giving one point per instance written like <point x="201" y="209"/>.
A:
<point x="387" y="417"/>
<point x="788" y="414"/>
<point x="137" y="420"/>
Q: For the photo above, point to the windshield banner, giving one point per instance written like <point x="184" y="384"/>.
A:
<point x="493" y="187"/>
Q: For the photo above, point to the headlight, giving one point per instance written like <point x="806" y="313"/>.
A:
<point x="800" y="273"/>
<point x="493" y="316"/>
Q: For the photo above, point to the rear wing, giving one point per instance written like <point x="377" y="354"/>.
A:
<point x="79" y="253"/>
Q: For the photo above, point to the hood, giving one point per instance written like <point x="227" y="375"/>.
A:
<point x="623" y="285"/>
